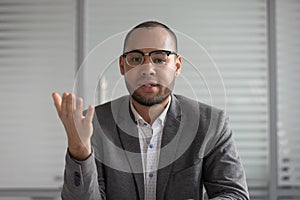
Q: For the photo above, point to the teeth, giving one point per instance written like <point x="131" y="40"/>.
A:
<point x="149" y="85"/>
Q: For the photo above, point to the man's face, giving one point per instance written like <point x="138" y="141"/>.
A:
<point x="147" y="83"/>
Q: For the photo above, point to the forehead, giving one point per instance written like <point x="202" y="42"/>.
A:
<point x="152" y="37"/>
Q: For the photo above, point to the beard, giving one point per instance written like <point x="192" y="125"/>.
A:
<point x="162" y="95"/>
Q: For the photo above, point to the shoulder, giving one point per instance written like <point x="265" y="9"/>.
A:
<point x="210" y="120"/>
<point x="110" y="105"/>
<point x="209" y="123"/>
<point x="205" y="110"/>
<point x="109" y="111"/>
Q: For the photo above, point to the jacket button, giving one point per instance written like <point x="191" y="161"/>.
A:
<point x="77" y="179"/>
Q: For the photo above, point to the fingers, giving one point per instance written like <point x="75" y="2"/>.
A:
<point x="64" y="102"/>
<point x="78" y="110"/>
<point x="70" y="105"/>
<point x="90" y="114"/>
<point x="66" y="107"/>
<point x="57" y="102"/>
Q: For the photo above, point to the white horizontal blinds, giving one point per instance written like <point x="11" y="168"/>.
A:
<point x="234" y="34"/>
<point x="288" y="65"/>
<point x="37" y="57"/>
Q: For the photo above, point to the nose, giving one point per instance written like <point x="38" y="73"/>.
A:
<point x="147" y="68"/>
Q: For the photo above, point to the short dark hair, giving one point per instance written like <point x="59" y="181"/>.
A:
<point x="150" y="24"/>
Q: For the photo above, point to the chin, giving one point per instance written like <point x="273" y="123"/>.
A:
<point x="150" y="101"/>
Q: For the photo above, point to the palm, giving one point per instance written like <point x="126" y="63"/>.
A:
<point x="78" y="127"/>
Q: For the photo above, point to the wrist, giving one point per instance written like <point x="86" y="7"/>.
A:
<point x="79" y="153"/>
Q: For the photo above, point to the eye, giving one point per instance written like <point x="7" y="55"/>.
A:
<point x="136" y="59"/>
<point x="159" y="60"/>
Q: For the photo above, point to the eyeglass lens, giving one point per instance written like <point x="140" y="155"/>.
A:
<point x="136" y="58"/>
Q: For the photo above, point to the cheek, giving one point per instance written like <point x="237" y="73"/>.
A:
<point x="131" y="78"/>
<point x="167" y="77"/>
<point x="131" y="74"/>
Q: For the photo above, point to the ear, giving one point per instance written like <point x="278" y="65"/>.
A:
<point x="178" y="64"/>
<point x="121" y="65"/>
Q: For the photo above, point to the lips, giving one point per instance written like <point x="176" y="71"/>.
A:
<point x="148" y="86"/>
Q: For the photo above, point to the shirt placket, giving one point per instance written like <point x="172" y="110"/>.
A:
<point x="152" y="161"/>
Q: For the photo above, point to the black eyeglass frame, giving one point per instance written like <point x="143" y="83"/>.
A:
<point x="167" y="52"/>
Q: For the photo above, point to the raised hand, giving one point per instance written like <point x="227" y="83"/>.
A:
<point x="79" y="128"/>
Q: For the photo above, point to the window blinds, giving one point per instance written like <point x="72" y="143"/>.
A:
<point x="37" y="57"/>
<point x="288" y="61"/>
<point x="234" y="34"/>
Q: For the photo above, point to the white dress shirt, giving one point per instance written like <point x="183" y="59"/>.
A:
<point x="150" y="142"/>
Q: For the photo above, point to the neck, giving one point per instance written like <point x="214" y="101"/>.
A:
<point x="150" y="113"/>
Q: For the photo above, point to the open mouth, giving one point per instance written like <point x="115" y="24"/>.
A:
<point x="149" y="85"/>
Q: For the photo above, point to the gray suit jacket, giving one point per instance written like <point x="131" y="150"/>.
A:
<point x="197" y="150"/>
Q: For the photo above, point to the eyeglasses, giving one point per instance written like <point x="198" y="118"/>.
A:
<point x="158" y="58"/>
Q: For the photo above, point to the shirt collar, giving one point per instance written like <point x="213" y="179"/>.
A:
<point x="161" y="117"/>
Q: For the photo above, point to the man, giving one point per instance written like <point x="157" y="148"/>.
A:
<point x="151" y="144"/>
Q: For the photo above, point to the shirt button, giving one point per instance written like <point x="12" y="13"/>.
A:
<point x="151" y="175"/>
<point x="151" y="146"/>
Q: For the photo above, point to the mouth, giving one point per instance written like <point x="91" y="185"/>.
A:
<point x="148" y="86"/>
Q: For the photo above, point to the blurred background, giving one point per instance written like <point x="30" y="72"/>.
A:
<point x="254" y="45"/>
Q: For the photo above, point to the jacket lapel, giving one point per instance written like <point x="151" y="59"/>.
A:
<point x="132" y="147"/>
<point x="168" y="146"/>
<point x="128" y="134"/>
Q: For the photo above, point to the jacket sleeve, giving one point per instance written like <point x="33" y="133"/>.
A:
<point x="81" y="180"/>
<point x="224" y="176"/>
